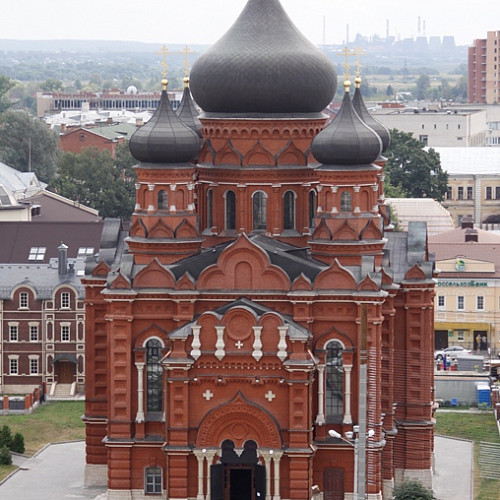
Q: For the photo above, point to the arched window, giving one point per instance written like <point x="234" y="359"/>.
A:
<point x="345" y="202"/>
<point x="259" y="210"/>
<point x="209" y="209"/>
<point x="152" y="481"/>
<point x="312" y="207"/>
<point x="289" y="210"/>
<point x="334" y="392"/>
<point x="162" y="200"/>
<point x="154" y="376"/>
<point x="230" y="222"/>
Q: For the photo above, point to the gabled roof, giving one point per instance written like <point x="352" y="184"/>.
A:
<point x="21" y="184"/>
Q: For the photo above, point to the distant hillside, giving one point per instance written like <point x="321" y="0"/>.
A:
<point x="88" y="46"/>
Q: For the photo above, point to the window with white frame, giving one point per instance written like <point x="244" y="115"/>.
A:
<point x="152" y="481"/>
<point x="489" y="193"/>
<point x="23" y="300"/>
<point x="334" y="393"/>
<point x="65" y="300"/>
<point x="33" y="332"/>
<point x="37" y="253"/>
<point x="460" y="335"/>
<point x="65" y="333"/>
<point x="13" y="332"/>
<point x="460" y="303"/>
<point x="33" y="366"/>
<point x="154" y="401"/>
<point x="441" y="302"/>
<point x="13" y="366"/>
<point x="480" y="303"/>
<point x="85" y="251"/>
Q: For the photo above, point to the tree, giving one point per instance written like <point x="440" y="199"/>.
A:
<point x="51" y="85"/>
<point x="22" y="137"/>
<point x="93" y="179"/>
<point x="412" y="171"/>
<point x="5" y="456"/>
<point x="5" y="85"/>
<point x="17" y="444"/>
<point x="389" y="91"/>
<point x="5" y="437"/>
<point x="423" y="83"/>
<point x="412" y="490"/>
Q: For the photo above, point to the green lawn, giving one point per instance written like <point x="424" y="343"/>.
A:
<point x="51" y="422"/>
<point x="476" y="427"/>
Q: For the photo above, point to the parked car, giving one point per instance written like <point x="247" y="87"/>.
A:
<point x="454" y="351"/>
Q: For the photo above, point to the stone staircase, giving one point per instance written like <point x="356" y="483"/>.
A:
<point x="62" y="391"/>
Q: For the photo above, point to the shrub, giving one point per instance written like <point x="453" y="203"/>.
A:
<point x="17" y="444"/>
<point x="5" y="456"/>
<point x="412" y="490"/>
<point x="5" y="437"/>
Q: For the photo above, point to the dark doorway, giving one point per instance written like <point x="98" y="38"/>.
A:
<point x="240" y="484"/>
<point x="333" y="483"/>
<point x="65" y="371"/>
<point x="440" y="339"/>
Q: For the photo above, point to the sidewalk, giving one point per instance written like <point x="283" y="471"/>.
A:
<point x="454" y="468"/>
<point x="54" y="473"/>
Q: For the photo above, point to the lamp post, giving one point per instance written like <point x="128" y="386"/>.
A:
<point x="355" y="444"/>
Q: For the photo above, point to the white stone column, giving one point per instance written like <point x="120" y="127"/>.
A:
<point x="173" y="188"/>
<point x="257" y="345"/>
<point x="210" y="459"/>
<point x="140" y="393"/>
<point x="200" y="456"/>
<point x="266" y="455"/>
<point x="151" y="207"/>
<point x="196" y="344"/>
<point x="282" y="354"/>
<point x="347" y="395"/>
<point x="320" y="418"/>
<point x="219" y="345"/>
<point x="276" y="462"/>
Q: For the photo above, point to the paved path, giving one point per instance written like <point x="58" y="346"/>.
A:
<point x="55" y="473"/>
<point x="454" y="469"/>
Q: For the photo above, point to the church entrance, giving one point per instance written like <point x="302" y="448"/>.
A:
<point x="238" y="477"/>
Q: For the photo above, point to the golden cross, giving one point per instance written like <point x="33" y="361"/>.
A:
<point x="163" y="52"/>
<point x="358" y="51"/>
<point x="347" y="52"/>
<point x="186" y="51"/>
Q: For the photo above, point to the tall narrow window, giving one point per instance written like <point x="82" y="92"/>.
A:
<point x="334" y="382"/>
<point x="34" y="333"/>
<point x="289" y="210"/>
<point x="13" y="366"/>
<point x="480" y="303"/>
<point x="469" y="193"/>
<point x="460" y="195"/>
<point x="14" y="332"/>
<point x="209" y="208"/>
<point x="65" y="300"/>
<point x="23" y="300"/>
<point x="312" y="207"/>
<point x="152" y="481"/>
<point x="162" y="200"/>
<point x="460" y="302"/>
<point x="259" y="210"/>
<point x="230" y="222"/>
<point x="345" y="202"/>
<point x="34" y="366"/>
<point x="65" y="335"/>
<point x="489" y="194"/>
<point x="449" y="193"/>
<point x="153" y="374"/>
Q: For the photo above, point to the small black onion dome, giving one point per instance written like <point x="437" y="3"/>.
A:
<point x="364" y="114"/>
<point x="263" y="64"/>
<point x="187" y="111"/>
<point x="347" y="140"/>
<point x="164" y="138"/>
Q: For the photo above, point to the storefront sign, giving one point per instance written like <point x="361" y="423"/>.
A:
<point x="470" y="283"/>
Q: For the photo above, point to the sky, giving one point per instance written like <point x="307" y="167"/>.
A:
<point x="205" y="21"/>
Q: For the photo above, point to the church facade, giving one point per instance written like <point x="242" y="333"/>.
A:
<point x="260" y="299"/>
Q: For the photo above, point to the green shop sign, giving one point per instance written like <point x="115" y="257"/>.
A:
<point x="471" y="283"/>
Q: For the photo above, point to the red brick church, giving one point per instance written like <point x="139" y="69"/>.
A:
<point x="260" y="298"/>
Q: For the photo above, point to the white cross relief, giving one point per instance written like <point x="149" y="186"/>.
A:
<point x="239" y="344"/>
<point x="270" y="396"/>
<point x="208" y="395"/>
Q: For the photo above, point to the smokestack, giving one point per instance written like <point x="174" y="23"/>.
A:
<point x="62" y="253"/>
<point x="324" y="31"/>
<point x="419" y="25"/>
<point x="387" y="29"/>
<point x="347" y="34"/>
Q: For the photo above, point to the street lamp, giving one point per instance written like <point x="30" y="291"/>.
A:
<point x="355" y="444"/>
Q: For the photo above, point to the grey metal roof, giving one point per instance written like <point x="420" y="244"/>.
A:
<point x="187" y="111"/>
<point x="263" y="64"/>
<point x="43" y="278"/>
<point x="468" y="161"/>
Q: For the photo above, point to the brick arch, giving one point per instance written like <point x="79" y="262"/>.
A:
<point x="239" y="420"/>
<point x="333" y="334"/>
<point x="153" y="331"/>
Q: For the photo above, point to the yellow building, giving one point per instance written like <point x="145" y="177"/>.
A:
<point x="467" y="303"/>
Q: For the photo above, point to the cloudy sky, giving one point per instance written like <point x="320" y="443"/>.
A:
<point x="204" y="21"/>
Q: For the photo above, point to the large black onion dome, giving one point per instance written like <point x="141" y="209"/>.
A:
<point x="263" y="64"/>
<point x="347" y="140"/>
<point x="187" y="111"/>
<point x="164" y="138"/>
<point x="364" y="114"/>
